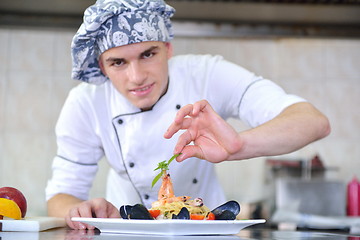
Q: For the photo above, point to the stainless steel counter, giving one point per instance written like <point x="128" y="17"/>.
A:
<point x="245" y="234"/>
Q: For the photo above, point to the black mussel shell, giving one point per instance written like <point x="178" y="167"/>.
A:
<point x="225" y="215"/>
<point x="183" y="214"/>
<point x="137" y="211"/>
<point x="125" y="211"/>
<point x="227" y="211"/>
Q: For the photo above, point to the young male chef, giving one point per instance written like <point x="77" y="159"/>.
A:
<point x="139" y="105"/>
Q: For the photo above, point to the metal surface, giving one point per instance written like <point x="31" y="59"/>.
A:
<point x="246" y="234"/>
<point x="319" y="197"/>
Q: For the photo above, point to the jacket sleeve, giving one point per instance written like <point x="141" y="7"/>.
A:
<point x="79" y="149"/>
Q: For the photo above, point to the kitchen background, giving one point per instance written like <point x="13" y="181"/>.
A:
<point x="35" y="68"/>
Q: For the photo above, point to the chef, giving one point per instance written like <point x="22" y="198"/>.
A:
<point x="138" y="105"/>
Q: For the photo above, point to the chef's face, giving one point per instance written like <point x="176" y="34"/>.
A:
<point x="138" y="71"/>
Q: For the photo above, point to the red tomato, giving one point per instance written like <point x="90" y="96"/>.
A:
<point x="154" y="213"/>
<point x="196" y="217"/>
<point x="210" y="216"/>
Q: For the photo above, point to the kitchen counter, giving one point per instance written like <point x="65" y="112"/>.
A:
<point x="249" y="233"/>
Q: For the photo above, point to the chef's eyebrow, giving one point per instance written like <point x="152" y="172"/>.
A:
<point x="150" y="49"/>
<point x="114" y="59"/>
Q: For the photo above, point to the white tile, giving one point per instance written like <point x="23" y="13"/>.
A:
<point x="214" y="47"/>
<point x="31" y="50"/>
<point x="199" y="46"/>
<point x="218" y="46"/>
<point x="180" y="46"/>
<point x="301" y="58"/>
<point x="255" y="55"/>
<point x="2" y="160"/>
<point x="27" y="98"/>
<point x="4" y="46"/>
<point x="342" y="98"/>
<point x="342" y="59"/>
<point x="60" y="86"/>
<point x="27" y="167"/>
<point x="3" y="81"/>
<point x="62" y="50"/>
<point x="258" y="56"/>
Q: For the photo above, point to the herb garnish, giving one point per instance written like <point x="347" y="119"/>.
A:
<point x="163" y="166"/>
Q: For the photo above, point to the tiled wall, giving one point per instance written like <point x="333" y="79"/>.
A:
<point x="35" y="78"/>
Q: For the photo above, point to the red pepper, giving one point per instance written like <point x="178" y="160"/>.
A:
<point x="197" y="217"/>
<point x="210" y="216"/>
<point x="154" y="213"/>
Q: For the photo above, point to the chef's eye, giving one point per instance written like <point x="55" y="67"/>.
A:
<point x="148" y="54"/>
<point x="118" y="62"/>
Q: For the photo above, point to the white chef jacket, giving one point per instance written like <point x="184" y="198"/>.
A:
<point x="98" y="121"/>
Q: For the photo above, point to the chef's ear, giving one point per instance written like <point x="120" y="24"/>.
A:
<point x="169" y="49"/>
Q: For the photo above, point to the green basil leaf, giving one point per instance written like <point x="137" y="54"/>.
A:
<point x="156" y="179"/>
<point x="173" y="157"/>
<point x="163" y="166"/>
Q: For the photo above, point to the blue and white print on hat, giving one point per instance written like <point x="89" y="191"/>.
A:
<point x="114" y="23"/>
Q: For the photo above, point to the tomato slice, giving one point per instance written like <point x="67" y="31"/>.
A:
<point x="154" y="213"/>
<point x="197" y="217"/>
<point x="210" y="216"/>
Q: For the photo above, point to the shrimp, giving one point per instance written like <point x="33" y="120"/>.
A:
<point x="166" y="193"/>
<point x="166" y="190"/>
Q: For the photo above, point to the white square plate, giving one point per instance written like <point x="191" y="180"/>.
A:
<point x="168" y="227"/>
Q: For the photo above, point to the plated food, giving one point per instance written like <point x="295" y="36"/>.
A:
<point x="169" y="206"/>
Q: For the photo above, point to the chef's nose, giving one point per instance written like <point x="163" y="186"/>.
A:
<point x="137" y="74"/>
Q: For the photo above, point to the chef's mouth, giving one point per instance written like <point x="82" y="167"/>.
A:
<point x="141" y="91"/>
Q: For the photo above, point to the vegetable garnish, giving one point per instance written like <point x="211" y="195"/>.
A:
<point x="154" y="212"/>
<point x="163" y="166"/>
<point x="197" y="217"/>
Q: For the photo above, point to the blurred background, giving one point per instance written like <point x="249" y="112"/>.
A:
<point x="310" y="48"/>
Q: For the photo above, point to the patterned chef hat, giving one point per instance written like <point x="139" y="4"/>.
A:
<point x="114" y="23"/>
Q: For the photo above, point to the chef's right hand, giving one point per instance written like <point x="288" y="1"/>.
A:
<point x="94" y="208"/>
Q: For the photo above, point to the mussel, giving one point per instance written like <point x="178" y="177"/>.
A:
<point x="138" y="211"/>
<point x="183" y="214"/>
<point x="227" y="211"/>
